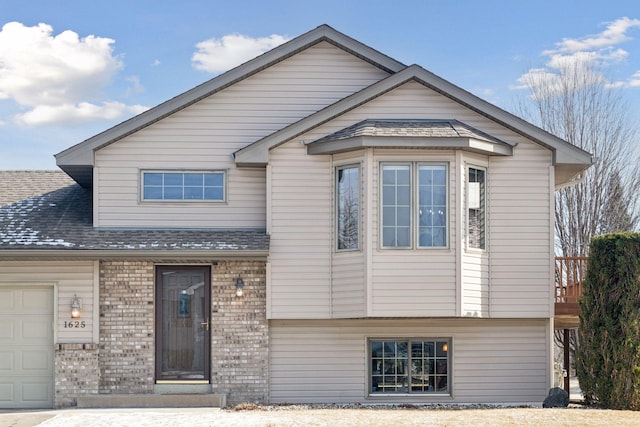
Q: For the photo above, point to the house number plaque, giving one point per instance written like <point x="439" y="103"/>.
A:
<point x="75" y="324"/>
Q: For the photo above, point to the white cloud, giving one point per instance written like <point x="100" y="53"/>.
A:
<point x="537" y="77"/>
<point x="614" y="34"/>
<point x="74" y="114"/>
<point x="136" y="86"/>
<point x="634" y="80"/>
<point x="600" y="50"/>
<point x="53" y="75"/>
<point x="217" y="55"/>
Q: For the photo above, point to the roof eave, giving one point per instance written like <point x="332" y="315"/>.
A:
<point x="433" y="143"/>
<point x="26" y="254"/>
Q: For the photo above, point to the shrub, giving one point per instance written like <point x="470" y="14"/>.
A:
<point x="608" y="357"/>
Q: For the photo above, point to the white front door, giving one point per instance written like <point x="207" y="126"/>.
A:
<point x="26" y="347"/>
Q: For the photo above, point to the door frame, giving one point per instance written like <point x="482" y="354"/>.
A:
<point x="159" y="268"/>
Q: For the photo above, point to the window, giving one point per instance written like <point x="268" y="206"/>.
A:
<point x="476" y="206"/>
<point x="409" y="366"/>
<point x="402" y="201"/>
<point x="348" y="207"/>
<point x="183" y="186"/>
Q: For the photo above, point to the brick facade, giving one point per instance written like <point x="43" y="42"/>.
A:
<point x="124" y="360"/>
<point x="126" y="327"/>
<point x="240" y="333"/>
<point x="76" y="372"/>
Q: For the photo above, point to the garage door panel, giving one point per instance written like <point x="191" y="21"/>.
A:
<point x="36" y="362"/>
<point x="36" y="301"/>
<point x="6" y="392"/>
<point x="36" y="329"/>
<point x="7" y="360"/>
<point x="36" y="391"/>
<point x="7" y="330"/>
<point x="7" y="303"/>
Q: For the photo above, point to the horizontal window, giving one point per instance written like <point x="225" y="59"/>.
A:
<point x="414" y="366"/>
<point x="183" y="186"/>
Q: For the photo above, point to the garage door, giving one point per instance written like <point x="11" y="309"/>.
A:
<point x="26" y="347"/>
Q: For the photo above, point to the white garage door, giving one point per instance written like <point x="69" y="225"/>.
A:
<point x="26" y="347"/>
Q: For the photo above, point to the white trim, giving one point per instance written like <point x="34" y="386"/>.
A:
<point x="96" y="302"/>
<point x="223" y="172"/>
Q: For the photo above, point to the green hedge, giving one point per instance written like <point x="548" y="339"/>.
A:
<point x="608" y="357"/>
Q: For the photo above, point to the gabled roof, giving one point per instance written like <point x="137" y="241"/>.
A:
<point x="77" y="161"/>
<point x="412" y="133"/>
<point x="568" y="159"/>
<point x="59" y="223"/>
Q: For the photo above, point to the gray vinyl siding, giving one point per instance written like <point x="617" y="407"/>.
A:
<point x="492" y="360"/>
<point x="204" y="135"/>
<point x="68" y="278"/>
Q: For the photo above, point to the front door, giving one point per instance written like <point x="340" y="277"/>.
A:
<point x="183" y="298"/>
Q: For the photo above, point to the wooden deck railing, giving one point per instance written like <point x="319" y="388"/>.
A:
<point x="569" y="276"/>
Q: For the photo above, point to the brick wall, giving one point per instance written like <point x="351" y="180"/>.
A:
<point x="126" y="327"/>
<point x="76" y="372"/>
<point x="240" y="333"/>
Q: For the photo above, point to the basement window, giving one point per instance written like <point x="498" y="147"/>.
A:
<point x="410" y="366"/>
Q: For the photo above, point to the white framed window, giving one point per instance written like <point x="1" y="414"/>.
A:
<point x="476" y="207"/>
<point x="183" y="186"/>
<point x="414" y="205"/>
<point x="348" y="208"/>
<point x="409" y="366"/>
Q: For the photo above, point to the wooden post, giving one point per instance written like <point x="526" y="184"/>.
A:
<point x="567" y="362"/>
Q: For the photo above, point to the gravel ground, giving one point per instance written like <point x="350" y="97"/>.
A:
<point x="276" y="416"/>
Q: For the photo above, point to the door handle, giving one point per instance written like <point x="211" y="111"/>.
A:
<point x="205" y="325"/>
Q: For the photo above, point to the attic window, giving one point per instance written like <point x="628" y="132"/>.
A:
<point x="183" y="186"/>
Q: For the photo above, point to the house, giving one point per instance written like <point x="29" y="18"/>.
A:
<point x="320" y="224"/>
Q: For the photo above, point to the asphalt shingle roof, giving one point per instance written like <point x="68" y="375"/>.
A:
<point x="410" y="128"/>
<point x="61" y="219"/>
<point x="19" y="185"/>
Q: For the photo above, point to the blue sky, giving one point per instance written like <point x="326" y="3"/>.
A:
<point x="70" y="69"/>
